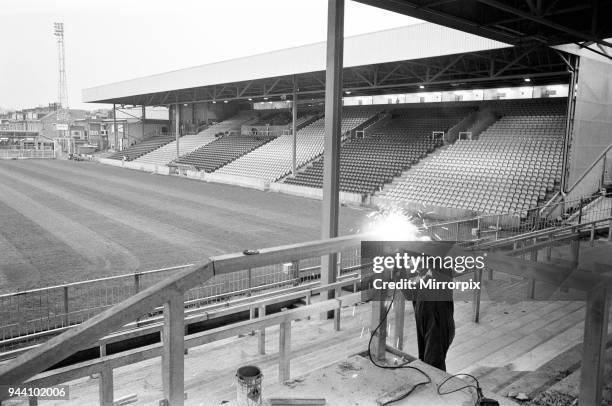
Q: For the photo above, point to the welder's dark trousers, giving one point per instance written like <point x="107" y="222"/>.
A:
<point x="435" y="331"/>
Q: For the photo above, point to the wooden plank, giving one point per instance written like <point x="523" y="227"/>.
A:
<point x="400" y="314"/>
<point x="594" y="346"/>
<point x="284" y="349"/>
<point x="337" y="294"/>
<point x="297" y="402"/>
<point x="106" y="386"/>
<point x="380" y="337"/>
<point x="477" y="295"/>
<point x="173" y="356"/>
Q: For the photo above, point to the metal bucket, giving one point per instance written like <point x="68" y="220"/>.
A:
<point x="248" y="384"/>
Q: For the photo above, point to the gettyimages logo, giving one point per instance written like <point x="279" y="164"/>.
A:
<point x="442" y="274"/>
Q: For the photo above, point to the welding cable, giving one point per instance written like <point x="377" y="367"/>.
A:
<point x="477" y="387"/>
<point x="401" y="366"/>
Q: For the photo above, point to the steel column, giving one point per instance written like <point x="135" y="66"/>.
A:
<point x="177" y="126"/>
<point x="333" y="117"/>
<point x="294" y="132"/>
<point x="115" y="126"/>
<point x="144" y="117"/>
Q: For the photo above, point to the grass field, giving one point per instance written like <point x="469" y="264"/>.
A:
<point x="66" y="221"/>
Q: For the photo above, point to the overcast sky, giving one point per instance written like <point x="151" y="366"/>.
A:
<point x="112" y="40"/>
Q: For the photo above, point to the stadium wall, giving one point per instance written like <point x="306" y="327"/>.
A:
<point x="592" y="127"/>
<point x="159" y="169"/>
<point x="314" y="193"/>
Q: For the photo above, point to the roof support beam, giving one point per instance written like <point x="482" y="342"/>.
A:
<point x="360" y="75"/>
<point x="540" y="20"/>
<point x="447" y="67"/>
<point x="245" y="88"/>
<point x="388" y="75"/>
<point x="514" y="61"/>
<point x="268" y="90"/>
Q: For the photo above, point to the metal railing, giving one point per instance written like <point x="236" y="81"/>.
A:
<point x="497" y="226"/>
<point x="27" y="153"/>
<point x="35" y="314"/>
<point x="592" y="179"/>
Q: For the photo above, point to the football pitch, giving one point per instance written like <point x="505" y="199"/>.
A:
<point x="66" y="221"/>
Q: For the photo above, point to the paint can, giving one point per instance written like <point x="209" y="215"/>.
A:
<point x="248" y="384"/>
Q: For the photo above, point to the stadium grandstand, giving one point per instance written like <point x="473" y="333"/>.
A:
<point x="482" y="131"/>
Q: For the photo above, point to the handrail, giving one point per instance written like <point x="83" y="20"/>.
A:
<point x="83" y="369"/>
<point x="549" y="203"/>
<point x="539" y="233"/>
<point x="588" y="169"/>
<point x="208" y="312"/>
<point x="87" y="333"/>
<point x="85" y="282"/>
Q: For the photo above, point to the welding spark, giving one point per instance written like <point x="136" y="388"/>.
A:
<point x="392" y="224"/>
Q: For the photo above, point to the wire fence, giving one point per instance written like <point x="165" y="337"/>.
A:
<point x="26" y="153"/>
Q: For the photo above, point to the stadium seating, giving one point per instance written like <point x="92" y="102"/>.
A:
<point x="189" y="143"/>
<point x="141" y="148"/>
<point x="274" y="160"/>
<point x="508" y="170"/>
<point x="222" y="151"/>
<point x="366" y="164"/>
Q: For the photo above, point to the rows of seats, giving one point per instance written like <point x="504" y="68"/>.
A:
<point x="509" y="169"/>
<point x="144" y="147"/>
<point x="274" y="160"/>
<point x="222" y="151"/>
<point x="190" y="143"/>
<point x="366" y="164"/>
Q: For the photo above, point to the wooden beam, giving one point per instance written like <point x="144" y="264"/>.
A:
<point x="106" y="386"/>
<point x="284" y="350"/>
<point x="594" y="346"/>
<point x="173" y="356"/>
<point x="261" y="339"/>
<point x="84" y="369"/>
<point x="380" y="337"/>
<point x="400" y="313"/>
<point x="477" y="297"/>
